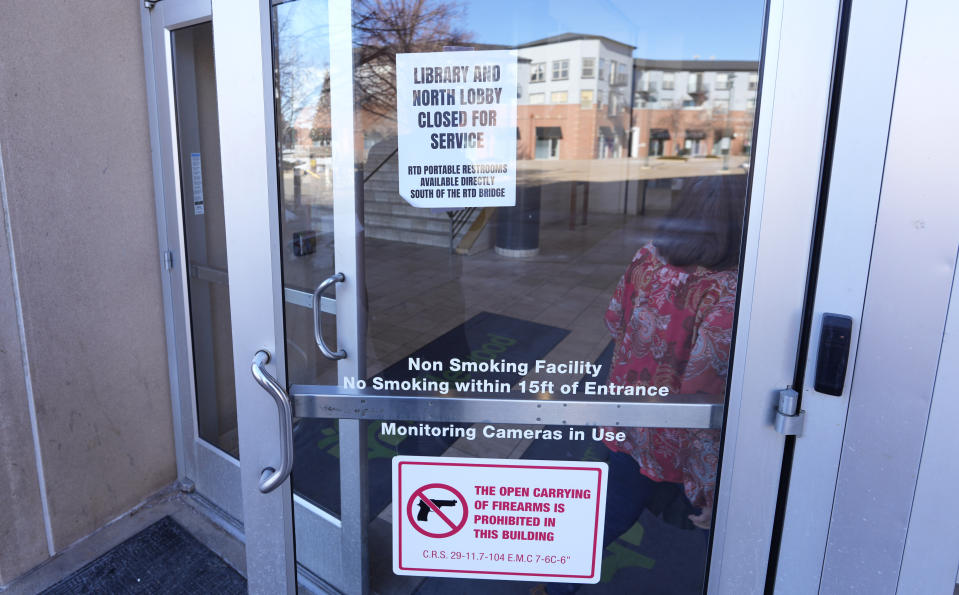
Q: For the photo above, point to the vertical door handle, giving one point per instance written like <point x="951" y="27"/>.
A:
<point x="271" y="478"/>
<point x="317" y="331"/>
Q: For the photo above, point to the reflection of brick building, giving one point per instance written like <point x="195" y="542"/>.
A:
<point x="574" y="103"/>
<point x="586" y="97"/>
<point x="693" y="107"/>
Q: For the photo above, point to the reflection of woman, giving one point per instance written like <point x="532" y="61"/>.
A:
<point x="671" y="318"/>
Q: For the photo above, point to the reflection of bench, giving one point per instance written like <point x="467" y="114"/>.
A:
<point x="572" y="202"/>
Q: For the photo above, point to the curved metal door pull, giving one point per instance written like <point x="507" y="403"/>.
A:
<point x="271" y="478"/>
<point x="317" y="332"/>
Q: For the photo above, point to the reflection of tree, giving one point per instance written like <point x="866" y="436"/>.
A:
<point x="679" y="119"/>
<point x="321" y="131"/>
<point x="297" y="79"/>
<point x="673" y="120"/>
<point x="384" y="28"/>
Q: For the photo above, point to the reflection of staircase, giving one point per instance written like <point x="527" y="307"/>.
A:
<point x="389" y="217"/>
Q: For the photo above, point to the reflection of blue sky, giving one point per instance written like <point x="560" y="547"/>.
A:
<point x="303" y="32"/>
<point x="660" y="29"/>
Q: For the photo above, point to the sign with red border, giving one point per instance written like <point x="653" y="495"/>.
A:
<point x="498" y="518"/>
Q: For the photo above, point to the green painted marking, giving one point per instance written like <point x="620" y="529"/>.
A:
<point x="381" y="447"/>
<point x="619" y="557"/>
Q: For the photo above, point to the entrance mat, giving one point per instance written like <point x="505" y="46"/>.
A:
<point x="483" y="337"/>
<point x="163" y="558"/>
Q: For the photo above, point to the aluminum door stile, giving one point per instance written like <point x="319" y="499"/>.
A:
<point x="350" y="307"/>
<point x="243" y="50"/>
<point x="931" y="548"/>
<point x="797" y="69"/>
<point x="157" y="25"/>
<point x="859" y="153"/>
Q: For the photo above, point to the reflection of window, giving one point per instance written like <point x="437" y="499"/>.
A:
<point x="669" y="80"/>
<point x="586" y="99"/>
<point x="547" y="142"/>
<point x="751" y="103"/>
<point x="537" y="72"/>
<point x="589" y="68"/>
<point x="753" y="81"/>
<point x="642" y="82"/>
<point x="602" y="69"/>
<point x="695" y="82"/>
<point x="536" y="98"/>
<point x="722" y="80"/>
<point x="559" y="97"/>
<point x="560" y="70"/>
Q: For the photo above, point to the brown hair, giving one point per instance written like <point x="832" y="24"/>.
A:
<point x="705" y="225"/>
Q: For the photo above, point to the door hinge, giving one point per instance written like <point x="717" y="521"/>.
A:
<point x="168" y="260"/>
<point x="789" y="418"/>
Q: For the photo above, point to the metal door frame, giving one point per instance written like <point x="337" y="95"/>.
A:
<point x="859" y="155"/>
<point x="887" y="532"/>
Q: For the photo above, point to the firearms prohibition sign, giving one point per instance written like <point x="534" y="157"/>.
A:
<point x="444" y="496"/>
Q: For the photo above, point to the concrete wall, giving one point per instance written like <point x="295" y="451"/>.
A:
<point x="78" y="195"/>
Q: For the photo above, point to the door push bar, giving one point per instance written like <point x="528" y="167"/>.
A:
<point x="271" y="478"/>
<point x="317" y="331"/>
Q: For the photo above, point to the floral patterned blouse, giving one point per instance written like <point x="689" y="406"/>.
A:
<point x="672" y="327"/>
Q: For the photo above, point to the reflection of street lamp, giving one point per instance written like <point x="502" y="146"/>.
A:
<point x="728" y="131"/>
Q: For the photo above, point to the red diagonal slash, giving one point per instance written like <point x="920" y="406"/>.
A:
<point x="436" y="509"/>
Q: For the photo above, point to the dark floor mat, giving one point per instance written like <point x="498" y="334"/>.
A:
<point x="486" y="336"/>
<point x="163" y="558"/>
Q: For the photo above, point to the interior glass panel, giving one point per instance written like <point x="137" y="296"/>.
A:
<point x="301" y="62"/>
<point x="201" y="191"/>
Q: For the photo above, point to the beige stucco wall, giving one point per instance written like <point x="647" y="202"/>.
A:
<point x="75" y="148"/>
<point x="23" y="541"/>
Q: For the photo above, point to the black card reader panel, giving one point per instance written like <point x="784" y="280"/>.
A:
<point x="833" y="353"/>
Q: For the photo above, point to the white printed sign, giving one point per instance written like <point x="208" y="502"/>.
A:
<point x="498" y="518"/>
<point x="197" y="176"/>
<point x="456" y="127"/>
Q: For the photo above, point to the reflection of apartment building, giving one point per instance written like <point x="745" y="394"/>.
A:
<point x="693" y="107"/>
<point x="577" y="98"/>
<point x="586" y="97"/>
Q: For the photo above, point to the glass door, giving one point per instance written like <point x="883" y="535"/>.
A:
<point x="508" y="316"/>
